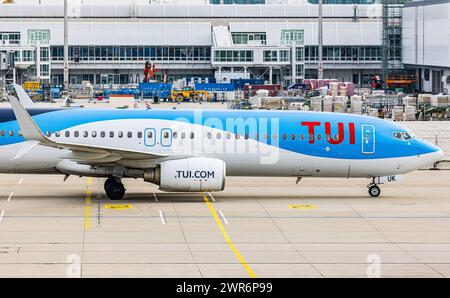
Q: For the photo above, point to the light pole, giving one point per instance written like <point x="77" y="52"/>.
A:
<point x="66" y="46"/>
<point x="320" y="48"/>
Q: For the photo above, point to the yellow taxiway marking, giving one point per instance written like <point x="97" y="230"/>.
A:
<point x="119" y="207"/>
<point x="303" y="207"/>
<point x="227" y="238"/>
<point x="87" y="205"/>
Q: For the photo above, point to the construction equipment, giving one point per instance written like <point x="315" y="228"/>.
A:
<point x="188" y="94"/>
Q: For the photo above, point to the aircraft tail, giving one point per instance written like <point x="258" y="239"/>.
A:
<point x="25" y="100"/>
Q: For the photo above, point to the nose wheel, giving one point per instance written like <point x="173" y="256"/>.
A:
<point x="374" y="191"/>
<point x="114" y="189"/>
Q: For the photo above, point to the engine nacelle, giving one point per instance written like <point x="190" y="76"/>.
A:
<point x="189" y="175"/>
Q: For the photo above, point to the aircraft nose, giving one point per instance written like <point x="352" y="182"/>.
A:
<point x="431" y="151"/>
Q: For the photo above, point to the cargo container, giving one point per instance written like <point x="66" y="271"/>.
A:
<point x="215" y="87"/>
<point x="274" y="90"/>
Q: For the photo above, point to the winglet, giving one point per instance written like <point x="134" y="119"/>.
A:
<point x="29" y="128"/>
<point x="23" y="96"/>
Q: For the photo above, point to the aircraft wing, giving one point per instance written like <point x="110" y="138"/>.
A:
<point x="32" y="133"/>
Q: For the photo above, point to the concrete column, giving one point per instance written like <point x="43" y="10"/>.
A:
<point x="271" y="75"/>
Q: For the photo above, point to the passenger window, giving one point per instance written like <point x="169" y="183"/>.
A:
<point x="2" y="133"/>
<point x="319" y="137"/>
<point x="166" y="135"/>
<point x="219" y="136"/>
<point x="139" y="135"/>
<point x="294" y="137"/>
<point x="76" y="134"/>
<point x="94" y="134"/>
<point x="130" y="135"/>
<point x="311" y="138"/>
<point x="111" y="134"/>
<point x="238" y="136"/>
<point x="85" y="134"/>
<point x="302" y="137"/>
<point x="48" y="133"/>
<point x="20" y="134"/>
<point x="120" y="134"/>
<point x="11" y="133"/>
<point x="209" y="135"/>
<point x="228" y="136"/>
<point x="266" y="137"/>
<point x="183" y="135"/>
<point x="57" y="134"/>
<point x="103" y="134"/>
<point x="247" y="136"/>
<point x="275" y="137"/>
<point x="284" y="137"/>
<point x="67" y="134"/>
<point x="150" y="134"/>
<point x="175" y="135"/>
<point x="192" y="135"/>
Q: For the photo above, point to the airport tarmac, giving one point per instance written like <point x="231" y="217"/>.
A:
<point x="263" y="227"/>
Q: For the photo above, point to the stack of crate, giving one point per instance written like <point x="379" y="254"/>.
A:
<point x="316" y="104"/>
<point x="356" y="104"/>
<point x="340" y="104"/>
<point x="410" y="113"/>
<point x="397" y="113"/>
<point x="328" y="104"/>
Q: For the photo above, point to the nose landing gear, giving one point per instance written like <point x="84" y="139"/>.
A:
<point x="114" y="189"/>
<point x="374" y="189"/>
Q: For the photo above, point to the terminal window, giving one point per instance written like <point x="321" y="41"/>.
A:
<point x="343" y="1"/>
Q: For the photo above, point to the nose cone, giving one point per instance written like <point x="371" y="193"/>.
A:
<point x="429" y="152"/>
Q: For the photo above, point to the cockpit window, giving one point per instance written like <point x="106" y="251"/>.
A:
<point x="403" y="136"/>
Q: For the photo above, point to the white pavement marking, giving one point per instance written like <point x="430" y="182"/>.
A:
<point x="1" y="215"/>
<point x="224" y="219"/>
<point x="163" y="217"/>
<point x="20" y="181"/>
<point x="211" y="196"/>
<point x="156" y="198"/>
<point x="10" y="196"/>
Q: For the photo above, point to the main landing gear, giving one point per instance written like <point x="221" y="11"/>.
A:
<point x="114" y="189"/>
<point x="374" y="189"/>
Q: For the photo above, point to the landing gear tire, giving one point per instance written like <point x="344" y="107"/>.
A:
<point x="374" y="191"/>
<point x="114" y="189"/>
<point x="109" y="181"/>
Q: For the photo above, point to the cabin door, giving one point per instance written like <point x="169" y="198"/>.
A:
<point x="368" y="139"/>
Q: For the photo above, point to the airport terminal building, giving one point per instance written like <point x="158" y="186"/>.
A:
<point x="276" y="40"/>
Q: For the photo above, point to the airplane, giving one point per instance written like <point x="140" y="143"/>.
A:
<point x="196" y="150"/>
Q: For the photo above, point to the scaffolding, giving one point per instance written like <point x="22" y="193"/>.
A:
<point x="392" y="37"/>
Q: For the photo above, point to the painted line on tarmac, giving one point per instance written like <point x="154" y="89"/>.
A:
<point x="211" y="196"/>
<point x="224" y="219"/>
<point x="10" y="196"/>
<point x="163" y="217"/>
<point x="20" y="181"/>
<point x="156" y="198"/>
<point x="1" y="215"/>
<point x="228" y="239"/>
<point x="87" y="206"/>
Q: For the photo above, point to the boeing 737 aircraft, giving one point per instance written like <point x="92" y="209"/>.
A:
<point x="194" y="151"/>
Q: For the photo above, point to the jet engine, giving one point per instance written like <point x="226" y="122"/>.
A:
<point x="189" y="175"/>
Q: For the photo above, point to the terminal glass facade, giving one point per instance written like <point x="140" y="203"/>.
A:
<point x="132" y="53"/>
